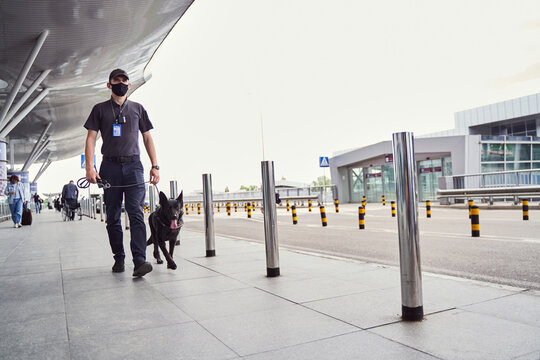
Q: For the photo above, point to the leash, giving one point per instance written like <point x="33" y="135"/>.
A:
<point x="83" y="183"/>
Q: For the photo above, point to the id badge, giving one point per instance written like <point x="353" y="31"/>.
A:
<point x="116" y="130"/>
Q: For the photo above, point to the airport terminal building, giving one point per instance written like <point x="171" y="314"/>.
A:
<point x="496" y="137"/>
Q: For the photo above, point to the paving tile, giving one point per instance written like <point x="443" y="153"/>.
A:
<point x="459" y="334"/>
<point x="199" y="286"/>
<point x="365" y="310"/>
<point x="25" y="309"/>
<point x="30" y="286"/>
<point x="181" y="341"/>
<point x="272" y="329"/>
<point x="42" y="329"/>
<point x="49" y="351"/>
<point x="123" y="309"/>
<point x="227" y="303"/>
<point x="357" y="345"/>
<point x="186" y="270"/>
<point x="523" y="308"/>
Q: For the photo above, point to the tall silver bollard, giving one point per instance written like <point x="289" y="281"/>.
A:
<point x="270" y="217"/>
<point x="174" y="189"/>
<point x="210" y="240"/>
<point x="101" y="207"/>
<point x="407" y="215"/>
<point x="151" y="198"/>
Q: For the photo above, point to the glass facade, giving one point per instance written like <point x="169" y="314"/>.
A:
<point x="509" y="153"/>
<point x="374" y="184"/>
<point x="356" y="177"/>
<point x="429" y="172"/>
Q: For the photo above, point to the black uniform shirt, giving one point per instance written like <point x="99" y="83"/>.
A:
<point x="102" y="118"/>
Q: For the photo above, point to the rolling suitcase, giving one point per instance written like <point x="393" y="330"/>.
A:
<point x="26" y="217"/>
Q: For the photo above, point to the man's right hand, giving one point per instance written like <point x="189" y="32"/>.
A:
<point x="92" y="176"/>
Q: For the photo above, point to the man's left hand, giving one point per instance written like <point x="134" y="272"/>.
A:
<point x="154" y="176"/>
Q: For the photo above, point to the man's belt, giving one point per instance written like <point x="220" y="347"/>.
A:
<point x="122" y="159"/>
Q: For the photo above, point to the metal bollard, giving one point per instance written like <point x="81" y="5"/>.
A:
<point x="270" y="219"/>
<point x="428" y="208"/>
<point x="151" y="199"/>
<point x="323" y="216"/>
<point x="228" y="209"/>
<point x="409" y="240"/>
<point x="126" y="218"/>
<point x="475" y="221"/>
<point x="383" y="201"/>
<point x="101" y="207"/>
<point x="525" y="209"/>
<point x="309" y="205"/>
<point x="174" y="189"/>
<point x="361" y="216"/>
<point x="249" y="211"/>
<point x="364" y="201"/>
<point x="471" y="203"/>
<point x="198" y="208"/>
<point x="294" y="217"/>
<point x="288" y="207"/>
<point x="235" y="207"/>
<point x="336" y="204"/>
<point x="209" y="237"/>
<point x="393" y="205"/>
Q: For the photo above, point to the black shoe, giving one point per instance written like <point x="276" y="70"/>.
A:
<point x="142" y="269"/>
<point x="118" y="266"/>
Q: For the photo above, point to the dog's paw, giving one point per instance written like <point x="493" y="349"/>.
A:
<point x="171" y="265"/>
<point x="159" y="261"/>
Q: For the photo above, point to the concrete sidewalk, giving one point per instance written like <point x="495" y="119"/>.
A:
<point x="60" y="300"/>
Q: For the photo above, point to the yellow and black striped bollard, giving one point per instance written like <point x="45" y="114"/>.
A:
<point x="249" y="210"/>
<point x="253" y="206"/>
<point x="245" y="207"/>
<point x="471" y="203"/>
<point x="228" y="209"/>
<point x="323" y="216"/>
<point x="192" y="207"/>
<point x="187" y="209"/>
<point x="235" y="207"/>
<point x="361" y="216"/>
<point x="198" y="208"/>
<point x="336" y="204"/>
<point x="525" y="209"/>
<point x="364" y="201"/>
<point x="475" y="221"/>
<point x="428" y="208"/>
<point x="288" y="207"/>
<point x="294" y="217"/>
<point x="218" y="207"/>
<point x="393" y="205"/>
<point x="383" y="200"/>
<point x="309" y="205"/>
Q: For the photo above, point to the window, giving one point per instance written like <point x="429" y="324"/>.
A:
<point x="536" y="152"/>
<point x="492" y="152"/>
<point x="518" y="166"/>
<point x="518" y="152"/>
<point x="492" y="167"/>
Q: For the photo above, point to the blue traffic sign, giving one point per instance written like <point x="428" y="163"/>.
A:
<point x="323" y="161"/>
<point x="83" y="163"/>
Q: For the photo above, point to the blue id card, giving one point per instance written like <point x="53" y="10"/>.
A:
<point x="116" y="130"/>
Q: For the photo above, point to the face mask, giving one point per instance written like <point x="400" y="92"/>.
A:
<point x="13" y="182"/>
<point x="119" y="89"/>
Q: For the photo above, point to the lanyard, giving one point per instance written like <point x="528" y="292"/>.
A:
<point x="120" y="116"/>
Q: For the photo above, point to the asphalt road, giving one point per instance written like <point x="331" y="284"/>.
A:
<point x="507" y="251"/>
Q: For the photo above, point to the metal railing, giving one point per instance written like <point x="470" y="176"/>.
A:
<point x="322" y="194"/>
<point x="497" y="179"/>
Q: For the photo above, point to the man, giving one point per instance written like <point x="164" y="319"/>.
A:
<point x="70" y="194"/>
<point x="37" y="202"/>
<point x="120" y="120"/>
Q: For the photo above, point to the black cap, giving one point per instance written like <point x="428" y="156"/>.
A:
<point x="117" y="72"/>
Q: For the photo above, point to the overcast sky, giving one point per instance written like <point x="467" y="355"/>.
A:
<point x="323" y="76"/>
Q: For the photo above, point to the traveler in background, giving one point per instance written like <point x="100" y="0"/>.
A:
<point x="37" y="201"/>
<point x="16" y="198"/>
<point x="70" y="194"/>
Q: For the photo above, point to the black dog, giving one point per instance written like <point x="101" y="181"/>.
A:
<point x="165" y="224"/>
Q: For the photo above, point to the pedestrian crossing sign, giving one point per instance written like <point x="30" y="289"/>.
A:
<point x="323" y="161"/>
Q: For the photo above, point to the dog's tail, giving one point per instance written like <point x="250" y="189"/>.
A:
<point x="150" y="241"/>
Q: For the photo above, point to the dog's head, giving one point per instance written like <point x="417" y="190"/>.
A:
<point x="172" y="210"/>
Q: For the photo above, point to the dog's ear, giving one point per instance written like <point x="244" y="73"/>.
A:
<point x="180" y="198"/>
<point x="163" y="202"/>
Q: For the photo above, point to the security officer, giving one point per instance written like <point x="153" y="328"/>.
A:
<point x="120" y="120"/>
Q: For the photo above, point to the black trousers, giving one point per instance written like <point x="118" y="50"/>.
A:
<point x="125" y="174"/>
